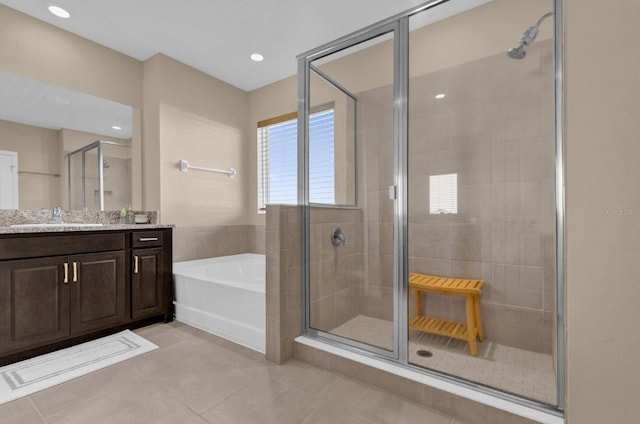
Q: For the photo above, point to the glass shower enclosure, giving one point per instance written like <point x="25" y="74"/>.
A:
<point x="99" y="176"/>
<point x="447" y="164"/>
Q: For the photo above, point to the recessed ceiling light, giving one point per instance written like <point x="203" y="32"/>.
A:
<point x="256" y="57"/>
<point x="59" y="12"/>
<point x="440" y="96"/>
<point x="115" y="127"/>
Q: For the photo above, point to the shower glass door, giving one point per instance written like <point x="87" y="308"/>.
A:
<point x="350" y="172"/>
<point x="481" y="188"/>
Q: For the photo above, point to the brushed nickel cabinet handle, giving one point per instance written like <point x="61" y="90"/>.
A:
<point x="65" y="267"/>
<point x="135" y="264"/>
<point x="148" y="239"/>
<point x="75" y="271"/>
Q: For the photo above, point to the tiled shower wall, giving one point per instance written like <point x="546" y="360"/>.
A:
<point x="495" y="130"/>
<point x="336" y="272"/>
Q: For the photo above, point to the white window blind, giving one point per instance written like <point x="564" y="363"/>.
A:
<point x="321" y="158"/>
<point x="443" y="193"/>
<point x="277" y="161"/>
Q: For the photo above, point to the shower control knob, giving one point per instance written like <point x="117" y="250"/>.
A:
<point x="337" y="237"/>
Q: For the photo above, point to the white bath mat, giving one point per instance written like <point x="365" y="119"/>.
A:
<point x="39" y="373"/>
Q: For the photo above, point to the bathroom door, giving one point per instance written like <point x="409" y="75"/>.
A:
<point x="350" y="185"/>
<point x="8" y="180"/>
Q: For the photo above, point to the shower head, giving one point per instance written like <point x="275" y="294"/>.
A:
<point x="517" y="52"/>
<point x="527" y="39"/>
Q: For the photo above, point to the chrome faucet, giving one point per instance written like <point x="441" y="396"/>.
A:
<point x="56" y="216"/>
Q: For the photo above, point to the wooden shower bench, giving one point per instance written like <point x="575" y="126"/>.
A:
<point x="470" y="289"/>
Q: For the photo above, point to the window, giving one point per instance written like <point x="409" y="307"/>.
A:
<point x="278" y="160"/>
<point x="443" y="193"/>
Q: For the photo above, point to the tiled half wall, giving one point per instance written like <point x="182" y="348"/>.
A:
<point x="190" y="243"/>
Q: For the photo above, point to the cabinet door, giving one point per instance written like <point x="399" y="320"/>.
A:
<point x="97" y="291"/>
<point x="146" y="283"/>
<point x="34" y="302"/>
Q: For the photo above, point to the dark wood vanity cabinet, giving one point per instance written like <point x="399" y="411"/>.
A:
<point x="49" y="299"/>
<point x="34" y="303"/>
<point x="97" y="291"/>
<point x="146" y="281"/>
<point x="100" y="282"/>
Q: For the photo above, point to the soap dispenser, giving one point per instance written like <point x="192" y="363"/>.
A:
<point x="131" y="216"/>
<point x="123" y="215"/>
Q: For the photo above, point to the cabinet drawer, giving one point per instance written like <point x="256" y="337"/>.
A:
<point x="56" y="245"/>
<point x="146" y="239"/>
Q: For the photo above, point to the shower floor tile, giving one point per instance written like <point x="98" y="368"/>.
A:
<point x="521" y="372"/>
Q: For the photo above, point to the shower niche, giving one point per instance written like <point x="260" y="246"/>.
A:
<point x="455" y="159"/>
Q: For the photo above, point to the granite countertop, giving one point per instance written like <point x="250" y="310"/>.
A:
<point x="71" y="228"/>
<point x="30" y="218"/>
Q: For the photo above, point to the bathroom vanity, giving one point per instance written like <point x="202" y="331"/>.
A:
<point x="69" y="285"/>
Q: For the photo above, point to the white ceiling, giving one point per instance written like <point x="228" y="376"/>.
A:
<point x="218" y="36"/>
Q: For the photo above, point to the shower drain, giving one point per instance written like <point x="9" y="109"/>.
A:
<point x="424" y="353"/>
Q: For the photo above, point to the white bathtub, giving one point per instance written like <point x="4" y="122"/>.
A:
<point x="224" y="296"/>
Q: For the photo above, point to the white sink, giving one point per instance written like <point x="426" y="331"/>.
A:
<point x="65" y="224"/>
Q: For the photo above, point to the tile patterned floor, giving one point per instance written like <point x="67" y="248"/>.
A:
<point x="198" y="378"/>
<point x="513" y="370"/>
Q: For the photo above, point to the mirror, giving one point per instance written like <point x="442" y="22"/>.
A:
<point x="42" y="124"/>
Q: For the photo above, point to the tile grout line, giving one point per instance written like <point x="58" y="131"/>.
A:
<point x="33" y="405"/>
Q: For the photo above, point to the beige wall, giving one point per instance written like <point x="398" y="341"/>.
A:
<point x="39" y="163"/>
<point x="152" y="86"/>
<point x="204" y="121"/>
<point x="489" y="29"/>
<point x="602" y="173"/>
